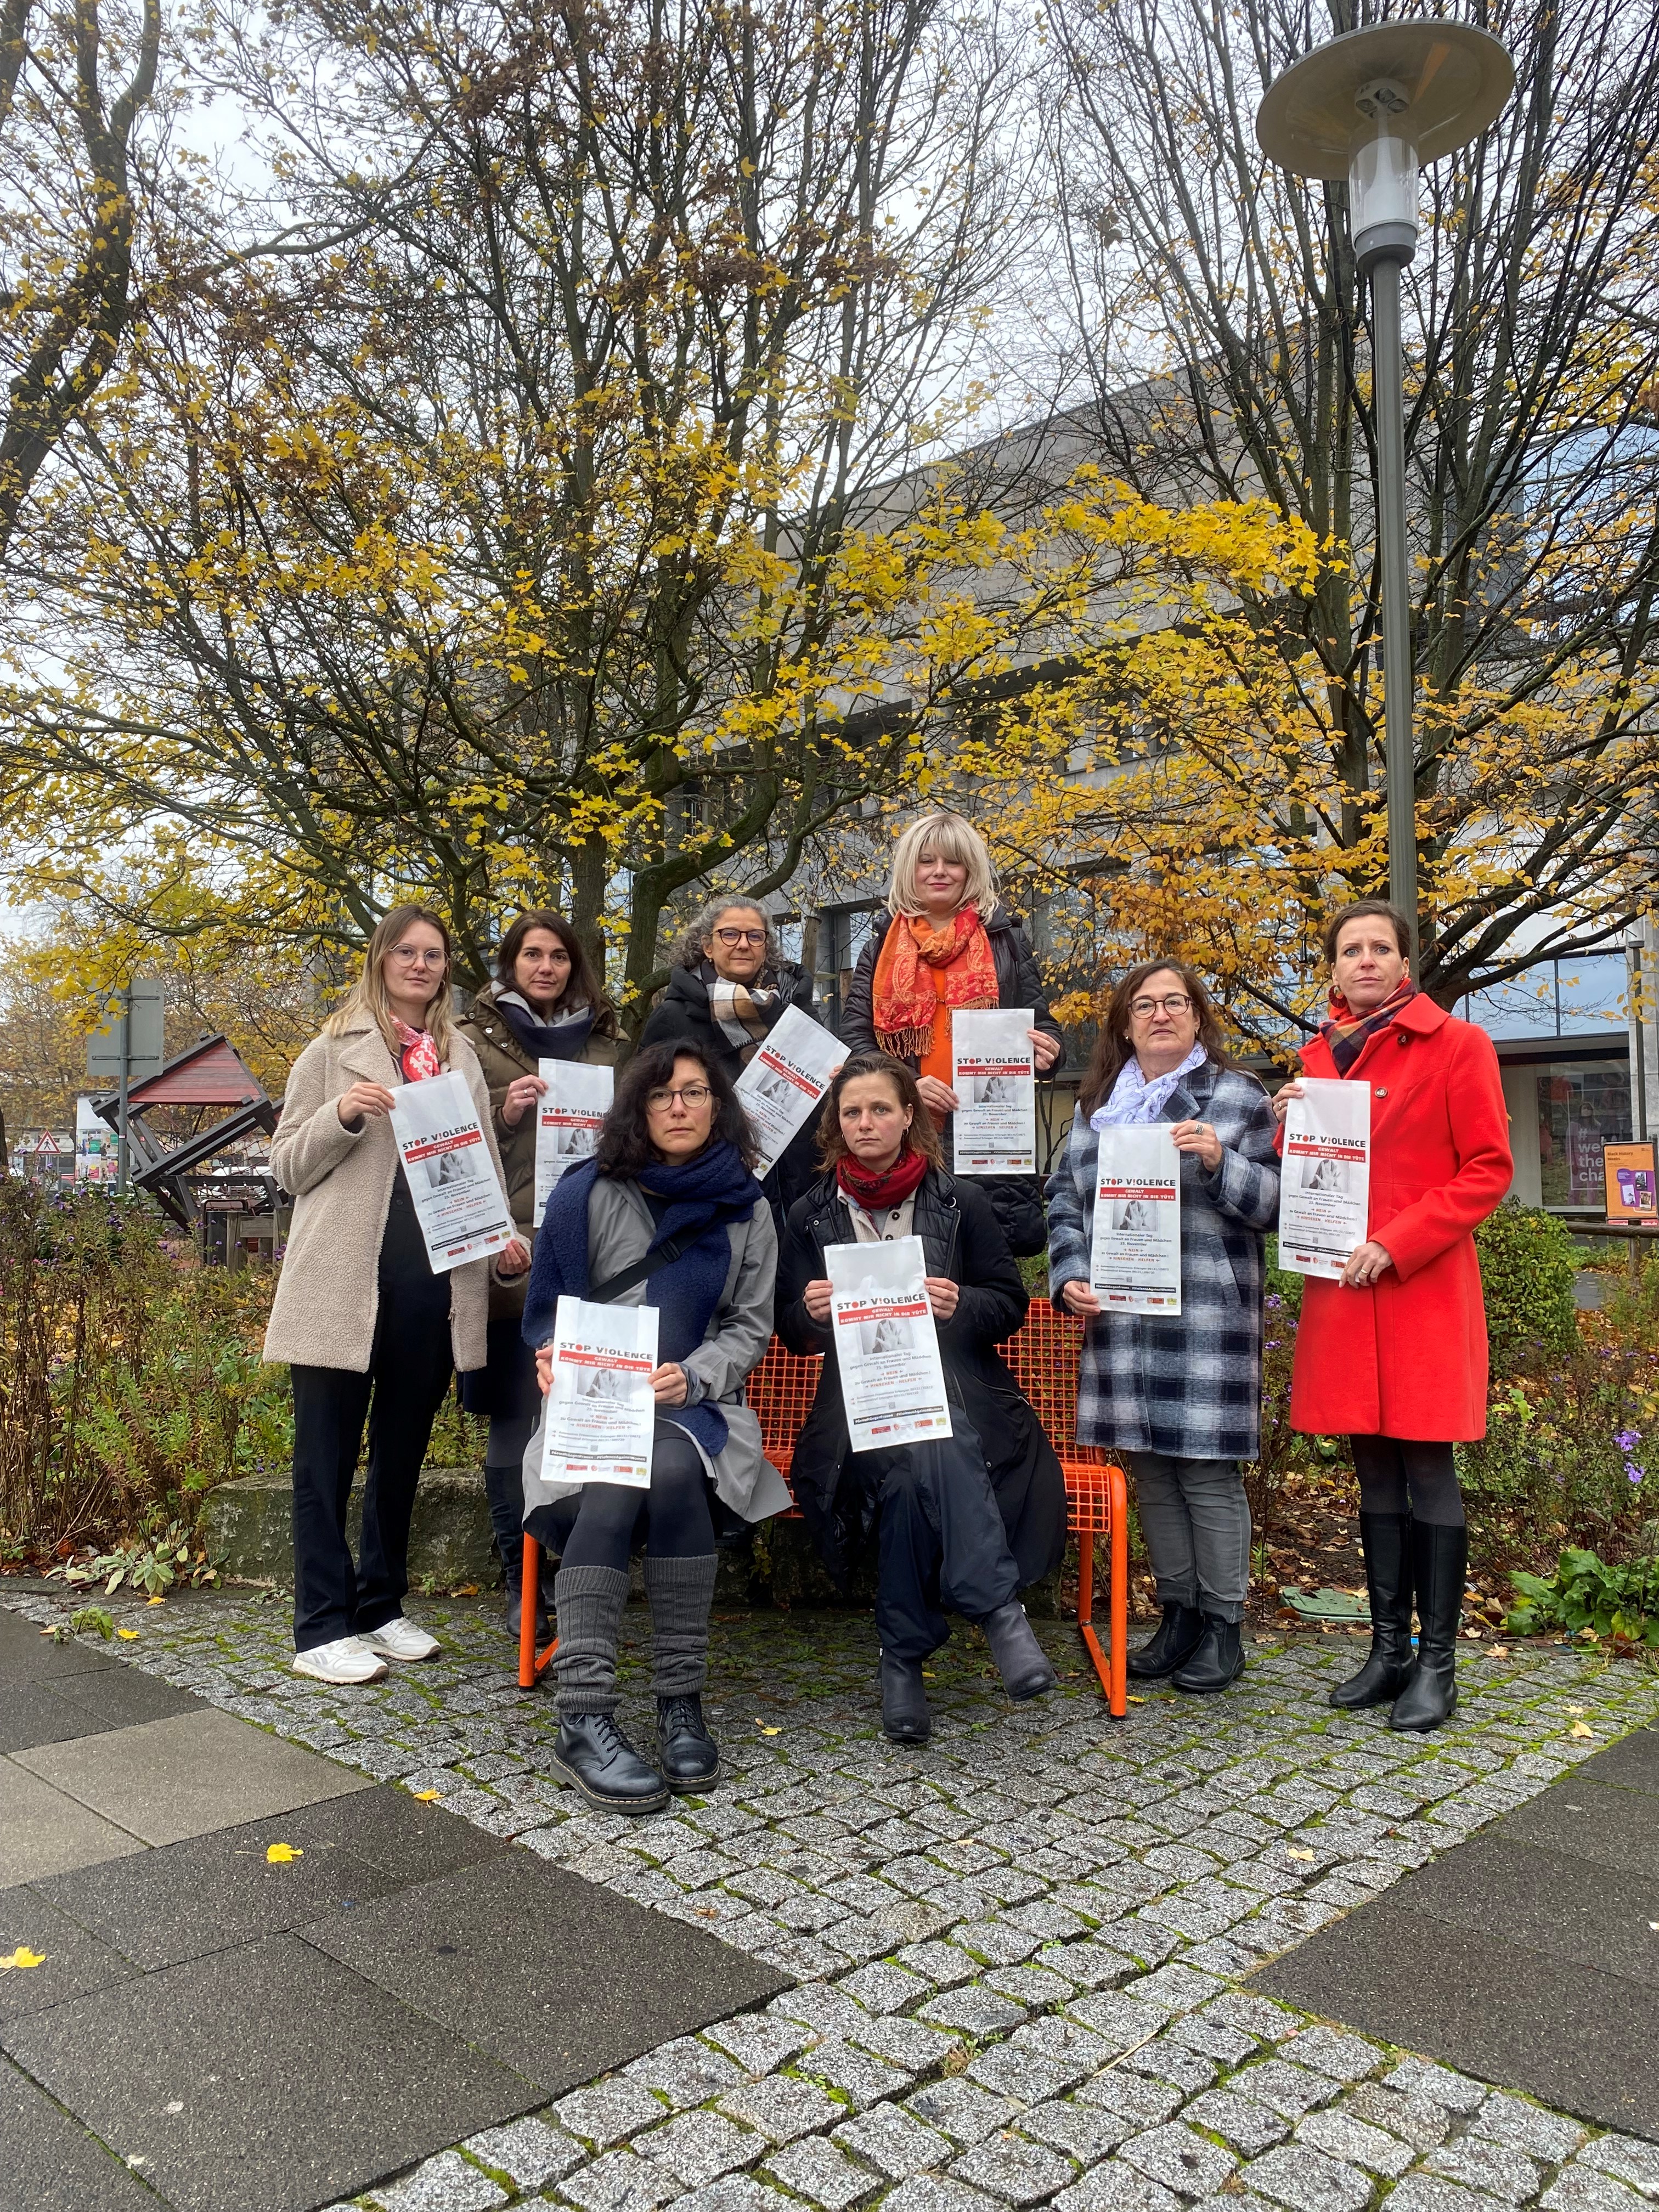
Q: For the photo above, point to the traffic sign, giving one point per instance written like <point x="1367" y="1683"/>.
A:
<point x="146" y="1046"/>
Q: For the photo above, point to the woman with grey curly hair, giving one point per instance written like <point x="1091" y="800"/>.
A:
<point x="730" y="985"/>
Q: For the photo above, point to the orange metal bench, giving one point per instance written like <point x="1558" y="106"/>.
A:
<point x="1044" y="1359"/>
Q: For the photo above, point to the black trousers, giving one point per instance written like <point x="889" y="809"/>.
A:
<point x="605" y="1522"/>
<point x="409" y="1371"/>
<point x="941" y="1541"/>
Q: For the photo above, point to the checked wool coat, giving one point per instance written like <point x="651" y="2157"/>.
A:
<point x="1189" y="1385"/>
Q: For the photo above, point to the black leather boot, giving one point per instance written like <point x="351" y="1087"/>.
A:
<point x="1021" y="1660"/>
<point x="514" y="1572"/>
<point x="1173" y="1643"/>
<point x="1440" y="1560"/>
<point x="593" y="1755"/>
<point x="1386" y="1538"/>
<point x="1218" y="1661"/>
<point x="689" y="1756"/>
<point x="904" y="1715"/>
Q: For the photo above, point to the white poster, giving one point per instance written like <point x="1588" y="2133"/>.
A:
<point x="892" y="1380"/>
<point x="994" y="1074"/>
<point x="598" y="1416"/>
<point x="458" y="1195"/>
<point x="1324" y="1187"/>
<point x="568" y="1114"/>
<point x="780" y="1088"/>
<point x="1135" y="1262"/>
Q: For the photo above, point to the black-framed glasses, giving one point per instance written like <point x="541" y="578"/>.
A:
<point x="1176" y="1002"/>
<point x="690" y="1094"/>
<point x="741" y="936"/>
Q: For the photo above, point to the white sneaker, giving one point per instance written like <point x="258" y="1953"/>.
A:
<point x="348" y="1659"/>
<point x="400" y="1638"/>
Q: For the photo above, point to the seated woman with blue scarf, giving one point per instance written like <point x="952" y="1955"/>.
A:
<point x="666" y="1214"/>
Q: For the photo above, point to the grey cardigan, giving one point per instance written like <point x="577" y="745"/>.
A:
<point x="619" y="1231"/>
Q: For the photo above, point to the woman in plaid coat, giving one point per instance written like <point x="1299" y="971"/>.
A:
<point x="1178" y="1399"/>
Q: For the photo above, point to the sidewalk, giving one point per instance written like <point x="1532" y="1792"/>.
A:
<point x="1023" y="1958"/>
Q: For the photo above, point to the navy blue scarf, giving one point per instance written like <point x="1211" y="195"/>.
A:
<point x="704" y="1194"/>
<point x="542" y="1041"/>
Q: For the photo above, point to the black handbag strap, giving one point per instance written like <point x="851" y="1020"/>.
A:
<point x="639" y="1271"/>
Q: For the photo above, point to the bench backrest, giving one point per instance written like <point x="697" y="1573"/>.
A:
<point x="1043" y="1357"/>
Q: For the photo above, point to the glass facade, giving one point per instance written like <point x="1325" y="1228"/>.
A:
<point x="1581" y="1105"/>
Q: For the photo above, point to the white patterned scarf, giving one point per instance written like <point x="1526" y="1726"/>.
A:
<point x="1134" y="1099"/>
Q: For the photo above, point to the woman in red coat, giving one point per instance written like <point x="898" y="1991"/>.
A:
<point x="1395" y="1354"/>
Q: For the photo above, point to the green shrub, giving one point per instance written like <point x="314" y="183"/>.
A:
<point x="1527" y="1269"/>
<point x="1585" y="1594"/>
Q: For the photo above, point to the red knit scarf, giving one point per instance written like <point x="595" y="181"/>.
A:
<point x="1347" y="1032"/>
<point x="876" y="1192"/>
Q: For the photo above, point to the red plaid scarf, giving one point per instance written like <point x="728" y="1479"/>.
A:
<point x="1346" y="1032"/>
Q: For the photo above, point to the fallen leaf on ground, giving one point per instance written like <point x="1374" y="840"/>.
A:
<point x="1500" y="1650"/>
<point x="1575" y="1709"/>
<point x="1578" y="1729"/>
<point x="764" y="1730"/>
<point x="157" y="1600"/>
<point x="127" y="1635"/>
<point x="1135" y="1701"/>
<point x="280" y="1854"/>
<point x="467" y="1589"/>
<point x="426" y="1796"/>
<point x="22" y="1957"/>
<point x="1308" y="1856"/>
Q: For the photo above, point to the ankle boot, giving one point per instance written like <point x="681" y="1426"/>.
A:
<point x="1440" y="1559"/>
<point x="904" y="1715"/>
<point x="1218" y="1661"/>
<point x="1174" y="1642"/>
<point x="681" y="1593"/>
<point x="1020" y="1659"/>
<point x="688" y="1755"/>
<point x="1386" y="1538"/>
<point x="592" y="1754"/>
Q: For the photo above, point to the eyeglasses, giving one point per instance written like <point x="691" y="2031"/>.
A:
<point x="1176" y="1003"/>
<point x="409" y="956"/>
<point x="691" y="1095"/>
<point x="741" y="936"/>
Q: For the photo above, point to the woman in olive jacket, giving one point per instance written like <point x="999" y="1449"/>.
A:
<point x="546" y="1003"/>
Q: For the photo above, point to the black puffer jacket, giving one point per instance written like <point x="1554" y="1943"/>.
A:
<point x="1017" y="1198"/>
<point x="683" y="1011"/>
<point x="962" y="1239"/>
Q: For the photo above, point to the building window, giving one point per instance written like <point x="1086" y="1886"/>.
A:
<point x="1581" y="1105"/>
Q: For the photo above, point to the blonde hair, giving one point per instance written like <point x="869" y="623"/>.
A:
<point x="956" y="840"/>
<point x="368" y="995"/>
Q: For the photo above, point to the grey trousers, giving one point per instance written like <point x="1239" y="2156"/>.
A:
<point x="1196" y="1520"/>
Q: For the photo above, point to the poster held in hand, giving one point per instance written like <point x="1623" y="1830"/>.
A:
<point x="458" y="1195"/>
<point x="1134" y="1263"/>
<point x="994" y="1074"/>
<point x="780" y="1088"/>
<point x="1324" y="1190"/>
<point x="598" y="1418"/>
<point x="892" y="1379"/>
<point x="568" y="1115"/>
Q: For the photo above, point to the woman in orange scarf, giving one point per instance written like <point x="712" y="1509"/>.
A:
<point x="944" y="943"/>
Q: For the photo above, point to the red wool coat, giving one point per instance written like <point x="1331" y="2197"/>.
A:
<point x="1408" y="1356"/>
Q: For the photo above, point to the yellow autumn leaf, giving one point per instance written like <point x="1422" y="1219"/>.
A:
<point x="764" y="1730"/>
<point x="425" y="1796"/>
<point x="22" y="1957"/>
<point x="1300" y="1855"/>
<point x="127" y="1635"/>
<point x="157" y="1600"/>
<point x="1579" y="1729"/>
<point x="280" y="1854"/>
<point x="1135" y="1701"/>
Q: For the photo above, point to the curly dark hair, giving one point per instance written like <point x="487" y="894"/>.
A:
<point x="624" y="1148"/>
<point x="1113" y="1047"/>
<point x="920" y="1137"/>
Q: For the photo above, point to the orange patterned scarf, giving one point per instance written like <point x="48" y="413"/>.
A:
<point x="919" y="967"/>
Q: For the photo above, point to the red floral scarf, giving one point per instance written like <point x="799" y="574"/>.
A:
<point x="919" y="966"/>
<point x="418" y="1052"/>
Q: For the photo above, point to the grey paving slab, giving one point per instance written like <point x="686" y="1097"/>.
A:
<point x="548" y="1972"/>
<point x="33" y="1712"/>
<point x="43" y="1831"/>
<point x="28" y="1656"/>
<point x="1587" y="2044"/>
<point x="1582" y="1819"/>
<point x="72" y="1962"/>
<point x="265" y="2079"/>
<point x="50" y="2164"/>
<point x="1594" y="1916"/>
<point x="187" y="1774"/>
<point x="1632" y="1763"/>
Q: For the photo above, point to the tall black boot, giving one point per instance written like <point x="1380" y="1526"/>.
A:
<point x="592" y="1753"/>
<point x="1440" y="1560"/>
<point x="504" y="1488"/>
<point x="681" y="1592"/>
<point x="1386" y="1538"/>
<point x="1177" y="1637"/>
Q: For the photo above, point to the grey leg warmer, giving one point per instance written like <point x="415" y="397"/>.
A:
<point x="589" y="1602"/>
<point x="682" y="1592"/>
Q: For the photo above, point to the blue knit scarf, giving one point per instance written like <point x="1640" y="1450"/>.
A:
<point x="704" y="1195"/>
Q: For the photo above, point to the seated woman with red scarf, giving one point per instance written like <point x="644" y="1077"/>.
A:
<point x="966" y="1522"/>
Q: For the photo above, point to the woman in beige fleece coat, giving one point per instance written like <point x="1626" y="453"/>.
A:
<point x="370" y="1331"/>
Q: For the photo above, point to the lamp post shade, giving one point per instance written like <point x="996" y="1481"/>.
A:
<point x="1455" y="79"/>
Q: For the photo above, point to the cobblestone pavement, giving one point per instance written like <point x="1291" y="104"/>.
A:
<point x="1019" y="1950"/>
